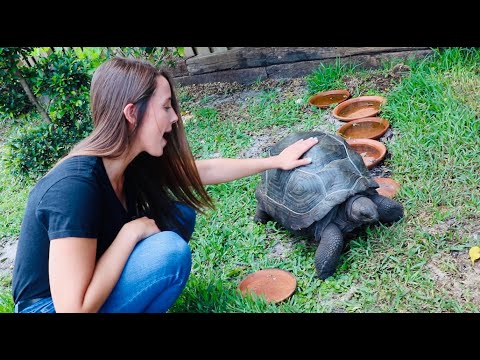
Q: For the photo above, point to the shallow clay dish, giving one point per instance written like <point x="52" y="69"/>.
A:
<point x="372" y="151"/>
<point x="359" y="107"/>
<point x="275" y="284"/>
<point x="366" y="128"/>
<point x="326" y="98"/>
<point x="388" y="187"/>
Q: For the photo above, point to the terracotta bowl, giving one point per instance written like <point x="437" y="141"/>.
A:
<point x="366" y="128"/>
<point x="359" y="107"/>
<point x="372" y="151"/>
<point x="274" y="284"/>
<point x="388" y="187"/>
<point x="326" y="98"/>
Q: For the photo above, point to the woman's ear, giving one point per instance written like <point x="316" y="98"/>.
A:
<point x="129" y="112"/>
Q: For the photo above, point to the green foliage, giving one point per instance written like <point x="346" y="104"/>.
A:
<point x="156" y="55"/>
<point x="93" y="55"/>
<point x="6" y="301"/>
<point x="64" y="81"/>
<point x="33" y="151"/>
<point x="9" y="58"/>
<point x="13" y="99"/>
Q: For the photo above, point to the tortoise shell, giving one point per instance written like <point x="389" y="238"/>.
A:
<point x="306" y="194"/>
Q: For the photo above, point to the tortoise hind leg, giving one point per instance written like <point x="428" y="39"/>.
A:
<point x="389" y="210"/>
<point x="328" y="251"/>
<point x="261" y="216"/>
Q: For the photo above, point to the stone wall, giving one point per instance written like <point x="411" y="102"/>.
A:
<point x="246" y="65"/>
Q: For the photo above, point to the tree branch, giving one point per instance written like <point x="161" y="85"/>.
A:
<point x="30" y="95"/>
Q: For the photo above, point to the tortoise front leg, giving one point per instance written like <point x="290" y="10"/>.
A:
<point x="261" y="216"/>
<point x="328" y="251"/>
<point x="388" y="209"/>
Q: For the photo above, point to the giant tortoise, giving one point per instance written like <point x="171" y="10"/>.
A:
<point x="325" y="199"/>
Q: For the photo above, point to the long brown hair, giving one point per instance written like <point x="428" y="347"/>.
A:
<point x="153" y="182"/>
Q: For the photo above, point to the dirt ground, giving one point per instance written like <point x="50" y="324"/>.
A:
<point x="8" y="247"/>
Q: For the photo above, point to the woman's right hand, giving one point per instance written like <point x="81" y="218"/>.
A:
<point x="142" y="228"/>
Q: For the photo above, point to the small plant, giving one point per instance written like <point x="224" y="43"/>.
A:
<point x="329" y="77"/>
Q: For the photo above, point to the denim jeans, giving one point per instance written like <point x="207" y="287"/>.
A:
<point x="153" y="277"/>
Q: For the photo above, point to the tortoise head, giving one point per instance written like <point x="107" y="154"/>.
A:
<point x="360" y="209"/>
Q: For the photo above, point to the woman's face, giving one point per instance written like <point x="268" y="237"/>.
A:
<point x="158" y="120"/>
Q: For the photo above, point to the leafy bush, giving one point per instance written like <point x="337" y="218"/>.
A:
<point x="64" y="80"/>
<point x="13" y="99"/>
<point x="34" y="150"/>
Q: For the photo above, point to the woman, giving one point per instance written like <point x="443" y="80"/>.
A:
<point x="107" y="229"/>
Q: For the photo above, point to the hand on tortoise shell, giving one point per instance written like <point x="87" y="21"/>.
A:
<point x="289" y="158"/>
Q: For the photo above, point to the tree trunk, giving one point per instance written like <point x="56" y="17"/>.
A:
<point x="30" y="95"/>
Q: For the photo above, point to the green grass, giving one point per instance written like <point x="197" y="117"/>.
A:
<point x="6" y="300"/>
<point x="13" y="197"/>
<point x="435" y="154"/>
<point x="328" y="77"/>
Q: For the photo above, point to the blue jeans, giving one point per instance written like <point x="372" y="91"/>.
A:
<point x="153" y="277"/>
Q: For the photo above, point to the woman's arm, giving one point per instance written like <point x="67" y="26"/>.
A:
<point x="78" y="284"/>
<point x="216" y="171"/>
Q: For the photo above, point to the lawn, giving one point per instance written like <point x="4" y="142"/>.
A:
<point x="419" y="264"/>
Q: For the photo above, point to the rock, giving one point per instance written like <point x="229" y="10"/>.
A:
<point x="8" y="249"/>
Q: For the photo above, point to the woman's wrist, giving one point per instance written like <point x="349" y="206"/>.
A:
<point x="129" y="231"/>
<point x="273" y="162"/>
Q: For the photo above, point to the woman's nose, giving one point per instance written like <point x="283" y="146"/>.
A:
<point x="174" y="119"/>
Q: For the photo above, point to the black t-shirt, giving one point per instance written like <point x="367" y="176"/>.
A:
<point x="75" y="199"/>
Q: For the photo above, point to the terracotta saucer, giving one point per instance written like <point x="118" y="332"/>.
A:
<point x="275" y="284"/>
<point x="366" y="128"/>
<point x="372" y="151"/>
<point x="326" y="98"/>
<point x="388" y="187"/>
<point x="359" y="107"/>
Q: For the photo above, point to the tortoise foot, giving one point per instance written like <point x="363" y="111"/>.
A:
<point x="261" y="216"/>
<point x="328" y="251"/>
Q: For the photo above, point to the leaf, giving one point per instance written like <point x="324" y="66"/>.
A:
<point x="474" y="253"/>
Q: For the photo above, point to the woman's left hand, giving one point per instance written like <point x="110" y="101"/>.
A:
<point x="289" y="158"/>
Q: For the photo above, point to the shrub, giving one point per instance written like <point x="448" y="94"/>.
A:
<point x="34" y="150"/>
<point x="64" y="80"/>
<point x="13" y="99"/>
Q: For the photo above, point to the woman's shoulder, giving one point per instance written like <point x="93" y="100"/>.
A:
<point x="73" y="175"/>
<point x="83" y="166"/>
<point x="79" y="163"/>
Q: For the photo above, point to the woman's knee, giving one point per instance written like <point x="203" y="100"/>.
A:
<point x="157" y="270"/>
<point x="166" y="252"/>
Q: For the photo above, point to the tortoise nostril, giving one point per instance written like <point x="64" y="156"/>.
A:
<point x="373" y="217"/>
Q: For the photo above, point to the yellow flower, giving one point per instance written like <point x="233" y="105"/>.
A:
<point x="474" y="253"/>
